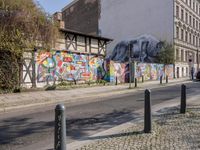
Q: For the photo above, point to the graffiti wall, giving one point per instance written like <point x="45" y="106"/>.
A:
<point x="61" y="65"/>
<point x="96" y="68"/>
<point x="116" y="71"/>
<point x="153" y="71"/>
<point x="169" y="71"/>
<point x="144" y="48"/>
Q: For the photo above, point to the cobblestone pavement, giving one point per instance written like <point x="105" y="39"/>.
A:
<point x="171" y="131"/>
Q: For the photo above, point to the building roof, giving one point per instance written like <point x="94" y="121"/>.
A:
<point x="84" y="34"/>
<point x="69" y="5"/>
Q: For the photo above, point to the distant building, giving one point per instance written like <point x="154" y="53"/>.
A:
<point x="175" y="21"/>
<point x="82" y="16"/>
<point x="79" y="42"/>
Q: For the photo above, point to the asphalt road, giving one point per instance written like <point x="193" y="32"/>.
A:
<point x="35" y="128"/>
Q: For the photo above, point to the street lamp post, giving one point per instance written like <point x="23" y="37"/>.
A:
<point x="130" y="63"/>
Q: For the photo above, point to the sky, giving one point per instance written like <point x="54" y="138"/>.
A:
<point x="51" y="6"/>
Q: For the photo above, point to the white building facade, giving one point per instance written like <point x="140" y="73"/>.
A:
<point x="174" y="21"/>
<point x="186" y="36"/>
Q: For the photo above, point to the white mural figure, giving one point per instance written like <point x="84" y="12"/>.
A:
<point x="144" y="48"/>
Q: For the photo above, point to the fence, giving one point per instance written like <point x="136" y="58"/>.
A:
<point x="66" y="66"/>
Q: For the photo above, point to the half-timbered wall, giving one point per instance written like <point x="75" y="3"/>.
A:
<point x="81" y="44"/>
<point x="74" y="57"/>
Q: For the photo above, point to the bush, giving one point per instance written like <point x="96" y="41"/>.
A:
<point x="62" y="83"/>
<point x="9" y="71"/>
<point x="101" y="82"/>
<point x="50" y="88"/>
<point x="17" y="90"/>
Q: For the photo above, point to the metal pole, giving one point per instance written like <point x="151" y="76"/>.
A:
<point x="183" y="99"/>
<point x="130" y="66"/>
<point x="142" y="79"/>
<point x="135" y="82"/>
<point x="147" y="112"/>
<point x="60" y="128"/>
<point x="166" y="79"/>
<point x="161" y="79"/>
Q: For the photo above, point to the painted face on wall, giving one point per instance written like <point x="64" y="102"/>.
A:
<point x="143" y="49"/>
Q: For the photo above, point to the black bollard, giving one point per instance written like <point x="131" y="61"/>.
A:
<point x="135" y="82"/>
<point x="166" y="79"/>
<point x="147" y="112"/>
<point x="161" y="79"/>
<point x="60" y="128"/>
<point x="142" y="79"/>
<point x="116" y="81"/>
<point x="183" y="99"/>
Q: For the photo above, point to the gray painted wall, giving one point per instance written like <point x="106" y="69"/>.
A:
<point x="127" y="19"/>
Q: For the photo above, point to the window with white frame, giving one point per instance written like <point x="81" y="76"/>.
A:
<point x="182" y="34"/>
<point x="186" y="17"/>
<point x="186" y="36"/>
<point x="177" y="32"/>
<point x="177" y="11"/>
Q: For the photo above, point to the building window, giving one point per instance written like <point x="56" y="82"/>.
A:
<point x="199" y="42"/>
<point x="182" y="55"/>
<point x="186" y="2"/>
<point x="186" y="56"/>
<point x="177" y="32"/>
<point x="194" y="40"/>
<point x="186" y="17"/>
<point x="177" y="11"/>
<point x="193" y="6"/>
<point x="190" y="20"/>
<point x="193" y="57"/>
<point x="186" y="36"/>
<point x="182" y="14"/>
<point x="190" y="38"/>
<point x="193" y="22"/>
<point x="199" y="58"/>
<point x="197" y="24"/>
<point x="182" y="34"/>
<point x="190" y="3"/>
<point x="177" y="54"/>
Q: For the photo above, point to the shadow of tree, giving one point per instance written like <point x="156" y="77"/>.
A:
<point x="13" y="129"/>
<point x="80" y="127"/>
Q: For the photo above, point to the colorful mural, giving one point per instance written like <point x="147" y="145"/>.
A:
<point x="153" y="71"/>
<point x="61" y="65"/>
<point x="96" y="68"/>
<point x="169" y="71"/>
<point x="160" y="71"/>
<point x="116" y="71"/>
<point x="143" y="70"/>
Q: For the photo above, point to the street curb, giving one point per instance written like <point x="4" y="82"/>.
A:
<point x="81" y="100"/>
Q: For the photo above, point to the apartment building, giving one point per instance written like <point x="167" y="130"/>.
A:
<point x="187" y="35"/>
<point x="174" y="21"/>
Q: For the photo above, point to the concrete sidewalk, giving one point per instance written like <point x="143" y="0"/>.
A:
<point x="171" y="130"/>
<point x="80" y="95"/>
